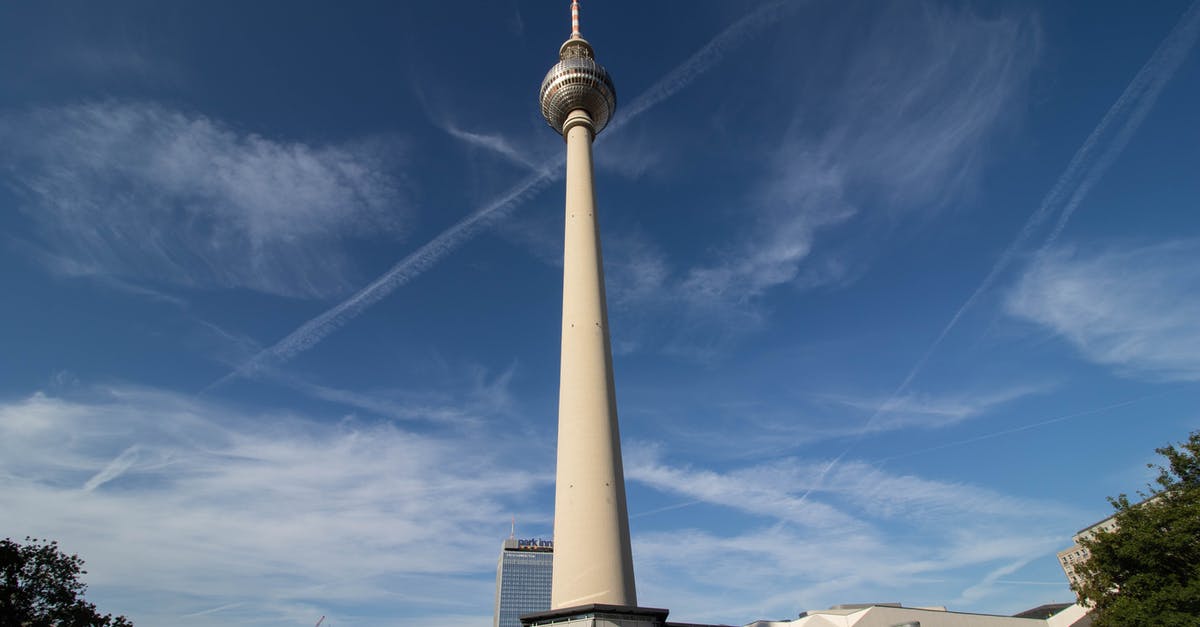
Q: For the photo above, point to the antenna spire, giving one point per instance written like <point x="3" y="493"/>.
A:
<point x="513" y="533"/>
<point x="575" y="20"/>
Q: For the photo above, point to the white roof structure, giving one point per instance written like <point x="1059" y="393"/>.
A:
<point x="893" y="615"/>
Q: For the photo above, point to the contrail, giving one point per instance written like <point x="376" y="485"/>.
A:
<point x="213" y="610"/>
<point x="407" y="269"/>
<point x="113" y="469"/>
<point x="1143" y="91"/>
<point x="312" y="332"/>
<point x="1082" y="173"/>
<point x="704" y="58"/>
<point x="668" y="508"/>
<point x="1025" y="427"/>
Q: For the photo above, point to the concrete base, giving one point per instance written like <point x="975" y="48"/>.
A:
<point x="598" y="615"/>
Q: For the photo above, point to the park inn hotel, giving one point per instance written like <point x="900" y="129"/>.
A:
<point x="522" y="580"/>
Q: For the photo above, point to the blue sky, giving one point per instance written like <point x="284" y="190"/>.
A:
<point x="900" y="292"/>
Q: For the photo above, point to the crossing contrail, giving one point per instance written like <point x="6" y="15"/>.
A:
<point x="312" y="332"/>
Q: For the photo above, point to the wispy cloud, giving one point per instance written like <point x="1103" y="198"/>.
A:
<point x="984" y="586"/>
<point x="701" y="61"/>
<point x="415" y="264"/>
<point x="756" y="490"/>
<point x="902" y="131"/>
<point x="804" y="198"/>
<point x="863" y="532"/>
<point x="770" y="489"/>
<point x="425" y="257"/>
<point x="148" y="194"/>
<point x="160" y="492"/>
<point x="497" y="144"/>
<point x="1132" y="308"/>
<point x="114" y="469"/>
<point x="929" y="411"/>
<point x="631" y="154"/>
<point x="1091" y="411"/>
<point x="70" y="267"/>
<point x="908" y="121"/>
<point x="636" y="269"/>
<point x="476" y="390"/>
<point x="477" y="394"/>
<point x="1088" y="165"/>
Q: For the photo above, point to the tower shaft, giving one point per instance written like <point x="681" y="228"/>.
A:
<point x="593" y="562"/>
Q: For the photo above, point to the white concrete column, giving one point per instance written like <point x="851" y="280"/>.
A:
<point x="592" y="558"/>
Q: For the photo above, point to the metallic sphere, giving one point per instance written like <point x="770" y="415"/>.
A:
<point x="577" y="82"/>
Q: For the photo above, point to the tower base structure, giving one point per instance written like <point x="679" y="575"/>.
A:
<point x="598" y="615"/>
<point x="603" y="615"/>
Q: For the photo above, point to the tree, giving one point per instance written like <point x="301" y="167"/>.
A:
<point x="1146" y="571"/>
<point x="40" y="587"/>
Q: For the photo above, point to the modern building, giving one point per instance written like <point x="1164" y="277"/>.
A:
<point x="1070" y="558"/>
<point x="522" y="580"/>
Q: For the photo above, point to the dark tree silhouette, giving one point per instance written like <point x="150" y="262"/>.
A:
<point x="1147" y="570"/>
<point x="40" y="587"/>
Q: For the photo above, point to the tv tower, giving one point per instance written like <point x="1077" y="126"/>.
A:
<point x="593" y="563"/>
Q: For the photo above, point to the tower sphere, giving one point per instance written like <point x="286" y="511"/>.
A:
<point x="577" y="82"/>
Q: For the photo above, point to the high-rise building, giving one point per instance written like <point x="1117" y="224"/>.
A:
<point x="522" y="580"/>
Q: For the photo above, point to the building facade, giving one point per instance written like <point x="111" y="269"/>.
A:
<point x="1070" y="558"/>
<point x="523" y="577"/>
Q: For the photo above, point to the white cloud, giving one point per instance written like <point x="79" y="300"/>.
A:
<point x="477" y="392"/>
<point x="922" y="97"/>
<point x="189" y="512"/>
<point x="754" y="490"/>
<point x="1132" y="308"/>
<point x="807" y="195"/>
<point x="142" y="192"/>
<point x="862" y="533"/>
<point x="636" y="270"/>
<point x="632" y="154"/>
<point x="902" y="133"/>
<point x="777" y="571"/>
<point x="183" y="508"/>
<point x="501" y="146"/>
<point x="909" y="121"/>
<point x="932" y="411"/>
<point x="777" y="490"/>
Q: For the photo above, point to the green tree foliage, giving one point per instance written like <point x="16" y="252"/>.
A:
<point x="1147" y="570"/>
<point x="40" y="587"/>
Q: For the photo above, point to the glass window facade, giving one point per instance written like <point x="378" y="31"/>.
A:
<point x="522" y="585"/>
